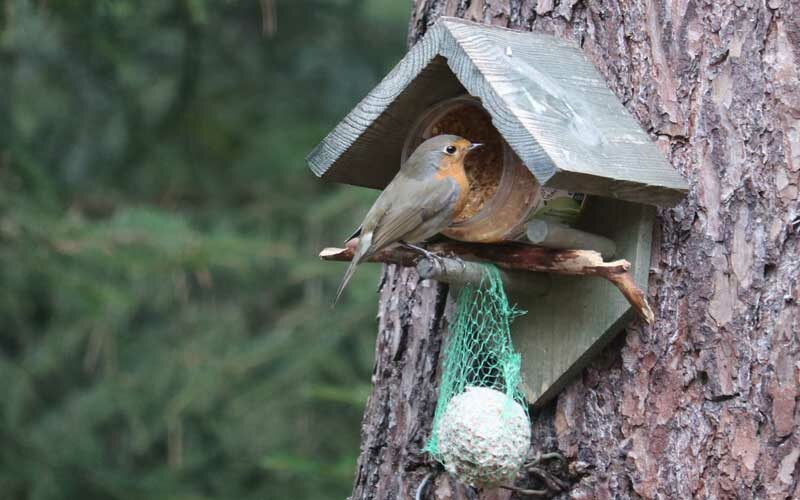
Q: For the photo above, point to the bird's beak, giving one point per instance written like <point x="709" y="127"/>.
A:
<point x="474" y="145"/>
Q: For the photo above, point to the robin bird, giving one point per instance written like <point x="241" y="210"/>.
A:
<point x="428" y="192"/>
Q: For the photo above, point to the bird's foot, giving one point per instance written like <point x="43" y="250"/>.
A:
<point x="421" y="250"/>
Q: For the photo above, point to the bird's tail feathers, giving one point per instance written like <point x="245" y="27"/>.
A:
<point x="363" y="245"/>
<point x="347" y="275"/>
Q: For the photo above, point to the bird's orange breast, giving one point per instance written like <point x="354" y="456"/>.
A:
<point x="454" y="169"/>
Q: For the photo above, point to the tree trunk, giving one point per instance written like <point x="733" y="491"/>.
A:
<point x="702" y="404"/>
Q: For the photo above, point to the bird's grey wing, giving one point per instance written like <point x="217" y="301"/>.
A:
<point x="357" y="232"/>
<point x="416" y="217"/>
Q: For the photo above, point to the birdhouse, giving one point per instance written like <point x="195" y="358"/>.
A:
<point x="564" y="167"/>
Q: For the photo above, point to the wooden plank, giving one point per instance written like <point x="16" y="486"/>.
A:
<point x="365" y="148"/>
<point x="546" y="99"/>
<point x="540" y="86"/>
<point x="564" y="329"/>
<point x="611" y="188"/>
<point x="374" y="159"/>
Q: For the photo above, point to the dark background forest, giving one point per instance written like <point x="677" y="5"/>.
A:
<point x="166" y="329"/>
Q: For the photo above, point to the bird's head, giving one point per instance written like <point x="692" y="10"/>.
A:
<point x="452" y="147"/>
<point x="440" y="152"/>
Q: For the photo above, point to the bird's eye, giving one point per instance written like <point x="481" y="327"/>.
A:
<point x="450" y="150"/>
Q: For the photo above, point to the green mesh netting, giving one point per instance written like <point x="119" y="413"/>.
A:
<point x="479" y="351"/>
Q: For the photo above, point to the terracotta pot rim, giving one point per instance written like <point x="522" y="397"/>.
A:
<point x="511" y="166"/>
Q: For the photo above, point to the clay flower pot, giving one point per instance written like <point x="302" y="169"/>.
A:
<point x="503" y="193"/>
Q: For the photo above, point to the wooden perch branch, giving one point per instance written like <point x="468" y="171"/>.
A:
<point x="553" y="235"/>
<point x="460" y="272"/>
<point x="519" y="257"/>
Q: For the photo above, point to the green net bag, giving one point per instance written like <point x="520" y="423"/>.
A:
<point x="481" y="428"/>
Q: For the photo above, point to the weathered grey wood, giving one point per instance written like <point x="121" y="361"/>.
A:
<point x="365" y="148"/>
<point x="564" y="329"/>
<point x="546" y="99"/>
<point x="550" y="234"/>
<point x="459" y="272"/>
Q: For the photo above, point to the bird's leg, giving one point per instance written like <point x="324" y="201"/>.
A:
<point x="419" y="249"/>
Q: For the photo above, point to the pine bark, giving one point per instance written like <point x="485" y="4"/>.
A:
<point x="702" y="404"/>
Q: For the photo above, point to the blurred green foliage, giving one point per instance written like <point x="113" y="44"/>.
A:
<point x="165" y="325"/>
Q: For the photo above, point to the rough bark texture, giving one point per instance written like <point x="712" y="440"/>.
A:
<point x="703" y="403"/>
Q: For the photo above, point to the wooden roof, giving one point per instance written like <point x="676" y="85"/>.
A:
<point x="548" y="101"/>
